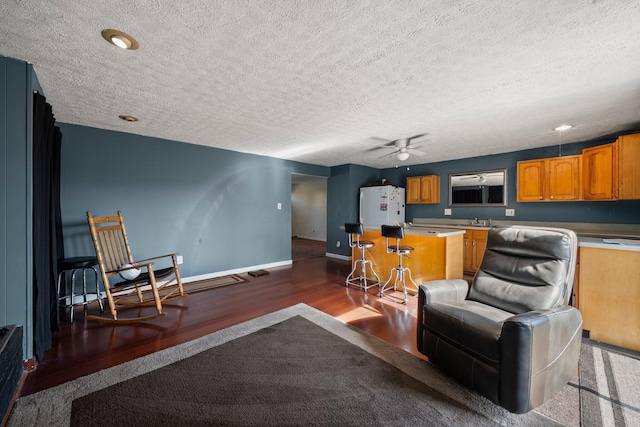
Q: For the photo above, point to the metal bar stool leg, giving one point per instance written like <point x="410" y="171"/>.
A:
<point x="355" y="230"/>
<point x="397" y="233"/>
<point x="71" y="295"/>
<point x="98" y="294"/>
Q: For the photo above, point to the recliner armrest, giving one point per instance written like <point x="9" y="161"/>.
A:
<point x="539" y="352"/>
<point x="438" y="291"/>
<point x="453" y="290"/>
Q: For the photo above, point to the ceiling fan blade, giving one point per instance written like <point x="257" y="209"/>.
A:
<point x="417" y="152"/>
<point x="417" y="139"/>
<point x="420" y="135"/>
<point x="388" y="155"/>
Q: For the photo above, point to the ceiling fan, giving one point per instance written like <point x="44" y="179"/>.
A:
<point x="404" y="147"/>
<point x="480" y="177"/>
<point x="488" y="178"/>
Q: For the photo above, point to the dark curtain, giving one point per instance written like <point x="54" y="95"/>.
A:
<point x="495" y="194"/>
<point x="47" y="140"/>
<point x="467" y="195"/>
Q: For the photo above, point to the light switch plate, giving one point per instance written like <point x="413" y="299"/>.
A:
<point x="447" y="211"/>
<point x="510" y="212"/>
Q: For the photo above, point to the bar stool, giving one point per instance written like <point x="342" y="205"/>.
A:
<point x="355" y="230"/>
<point x="75" y="265"/>
<point x="397" y="232"/>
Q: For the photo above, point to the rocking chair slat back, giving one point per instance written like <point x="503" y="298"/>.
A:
<point x="110" y="239"/>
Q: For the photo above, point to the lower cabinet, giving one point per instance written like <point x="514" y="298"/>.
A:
<point x="609" y="295"/>
<point x="475" y="242"/>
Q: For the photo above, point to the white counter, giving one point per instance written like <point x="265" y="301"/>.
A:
<point x="421" y="230"/>
<point x="596" y="242"/>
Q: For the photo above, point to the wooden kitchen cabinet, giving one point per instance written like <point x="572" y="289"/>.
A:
<point x="628" y="167"/>
<point x="530" y="181"/>
<point x="600" y="176"/>
<point x="423" y="189"/>
<point x="552" y="179"/>
<point x="609" y="295"/>
<point x="475" y="242"/>
<point x="611" y="171"/>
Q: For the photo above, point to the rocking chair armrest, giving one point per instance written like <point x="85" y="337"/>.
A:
<point x="138" y="266"/>
<point x="156" y="257"/>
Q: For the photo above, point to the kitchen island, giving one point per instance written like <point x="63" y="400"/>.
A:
<point x="438" y="253"/>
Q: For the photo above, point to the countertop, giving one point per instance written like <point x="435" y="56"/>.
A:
<point x="619" y="244"/>
<point x="422" y="230"/>
<point x="604" y="236"/>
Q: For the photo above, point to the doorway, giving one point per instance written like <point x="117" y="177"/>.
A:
<point x="308" y="216"/>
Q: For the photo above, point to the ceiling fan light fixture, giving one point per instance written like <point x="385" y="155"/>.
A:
<point x="120" y="39"/>
<point x="402" y="156"/>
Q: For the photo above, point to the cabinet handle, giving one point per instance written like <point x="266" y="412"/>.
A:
<point x="552" y="197"/>
<point x="540" y="197"/>
<point x="473" y="243"/>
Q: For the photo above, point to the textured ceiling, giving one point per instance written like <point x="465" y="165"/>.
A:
<point x="325" y="82"/>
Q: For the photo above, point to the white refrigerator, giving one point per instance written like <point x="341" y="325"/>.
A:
<point x="381" y="205"/>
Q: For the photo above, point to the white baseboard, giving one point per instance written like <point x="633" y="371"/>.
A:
<point x="235" y="271"/>
<point x="338" y="256"/>
<point x="209" y="276"/>
<point x="317" y="239"/>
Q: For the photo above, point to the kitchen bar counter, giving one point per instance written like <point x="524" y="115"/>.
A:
<point x="421" y="230"/>
<point x="438" y="253"/>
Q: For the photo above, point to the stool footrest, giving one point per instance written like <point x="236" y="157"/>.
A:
<point x="399" y="285"/>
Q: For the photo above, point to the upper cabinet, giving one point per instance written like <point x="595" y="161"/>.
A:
<point x="604" y="172"/>
<point x="423" y="189"/>
<point x="552" y="179"/>
<point x="611" y="171"/>
<point x="600" y="177"/>
<point x="628" y="167"/>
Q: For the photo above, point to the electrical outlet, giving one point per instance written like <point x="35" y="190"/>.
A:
<point x="279" y="206"/>
<point x="447" y="211"/>
<point x="510" y="212"/>
<point x="179" y="259"/>
<point x="338" y="244"/>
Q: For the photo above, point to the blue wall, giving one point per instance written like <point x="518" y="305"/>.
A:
<point x="217" y="208"/>
<point x="342" y="202"/>
<point x="613" y="212"/>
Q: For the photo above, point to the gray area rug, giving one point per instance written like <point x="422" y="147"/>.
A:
<point x="609" y="379"/>
<point x="359" y="379"/>
<point x="297" y="366"/>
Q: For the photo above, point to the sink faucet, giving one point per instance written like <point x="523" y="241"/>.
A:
<point x="475" y="222"/>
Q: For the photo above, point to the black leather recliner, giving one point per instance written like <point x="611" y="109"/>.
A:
<point x="510" y="335"/>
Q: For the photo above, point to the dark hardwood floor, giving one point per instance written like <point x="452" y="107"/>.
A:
<point x="302" y="249"/>
<point x="82" y="348"/>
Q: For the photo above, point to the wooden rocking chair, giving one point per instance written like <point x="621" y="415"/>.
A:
<point x="115" y="260"/>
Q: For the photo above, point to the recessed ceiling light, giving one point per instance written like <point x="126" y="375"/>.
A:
<point x="129" y="118"/>
<point x="120" y="39"/>
<point x="563" y="127"/>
